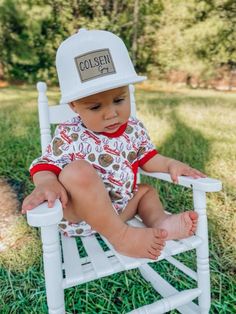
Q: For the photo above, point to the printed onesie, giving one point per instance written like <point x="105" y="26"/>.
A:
<point x="115" y="156"/>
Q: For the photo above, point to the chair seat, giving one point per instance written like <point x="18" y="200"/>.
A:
<point x="101" y="262"/>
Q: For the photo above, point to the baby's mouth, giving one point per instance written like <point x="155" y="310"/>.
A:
<point x="113" y="126"/>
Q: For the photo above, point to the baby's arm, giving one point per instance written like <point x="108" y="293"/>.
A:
<point x="175" y="168"/>
<point x="45" y="170"/>
<point x="47" y="188"/>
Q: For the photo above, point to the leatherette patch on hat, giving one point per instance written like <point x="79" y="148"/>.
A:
<point x="94" y="64"/>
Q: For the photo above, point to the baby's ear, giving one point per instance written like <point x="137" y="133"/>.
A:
<point x="72" y="106"/>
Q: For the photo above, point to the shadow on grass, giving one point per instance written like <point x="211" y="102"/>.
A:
<point x="186" y="144"/>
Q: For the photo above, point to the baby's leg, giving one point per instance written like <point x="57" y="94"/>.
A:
<point x="89" y="201"/>
<point x="151" y="211"/>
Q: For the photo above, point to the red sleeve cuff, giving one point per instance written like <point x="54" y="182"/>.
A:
<point x="45" y="167"/>
<point x="148" y="156"/>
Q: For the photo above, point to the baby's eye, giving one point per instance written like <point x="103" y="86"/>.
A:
<point x="95" y="107"/>
<point x="118" y="100"/>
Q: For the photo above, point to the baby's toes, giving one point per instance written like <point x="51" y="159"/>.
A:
<point x="152" y="254"/>
<point x="193" y="215"/>
<point x="155" y="252"/>
<point x="160" y="234"/>
<point x="158" y="247"/>
<point x="195" y="222"/>
<point x="159" y="241"/>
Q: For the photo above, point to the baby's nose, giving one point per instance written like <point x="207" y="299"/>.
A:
<point x="111" y="113"/>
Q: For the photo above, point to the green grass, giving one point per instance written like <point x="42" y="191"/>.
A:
<point x="197" y="127"/>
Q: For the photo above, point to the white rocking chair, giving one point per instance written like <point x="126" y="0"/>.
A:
<point x="64" y="267"/>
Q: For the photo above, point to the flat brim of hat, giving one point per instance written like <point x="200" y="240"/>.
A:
<point x="102" y="87"/>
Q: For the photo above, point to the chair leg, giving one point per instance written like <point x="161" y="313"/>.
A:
<point x="203" y="270"/>
<point x="53" y="269"/>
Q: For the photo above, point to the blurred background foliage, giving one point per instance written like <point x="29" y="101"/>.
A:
<point x="191" y="41"/>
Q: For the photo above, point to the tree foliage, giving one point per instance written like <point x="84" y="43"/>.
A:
<point x="197" y="36"/>
<point x="193" y="36"/>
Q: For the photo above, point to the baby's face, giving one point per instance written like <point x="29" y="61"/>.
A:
<point x="105" y="111"/>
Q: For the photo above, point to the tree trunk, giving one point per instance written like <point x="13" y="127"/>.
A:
<point x="135" y="31"/>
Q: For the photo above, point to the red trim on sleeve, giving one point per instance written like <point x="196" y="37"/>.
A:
<point x="45" y="167"/>
<point x="140" y="163"/>
<point x="135" y="171"/>
<point x="148" y="156"/>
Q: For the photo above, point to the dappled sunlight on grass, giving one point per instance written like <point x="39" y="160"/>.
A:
<point x="182" y="89"/>
<point x="160" y="133"/>
<point x="200" y="131"/>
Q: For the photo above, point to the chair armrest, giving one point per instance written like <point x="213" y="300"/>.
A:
<point x="42" y="216"/>
<point x="201" y="184"/>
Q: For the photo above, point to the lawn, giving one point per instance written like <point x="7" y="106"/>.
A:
<point x="194" y="126"/>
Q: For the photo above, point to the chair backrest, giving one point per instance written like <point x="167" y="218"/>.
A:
<point x="56" y="114"/>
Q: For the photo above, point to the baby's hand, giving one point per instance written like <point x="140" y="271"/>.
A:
<point x="48" y="191"/>
<point x="177" y="168"/>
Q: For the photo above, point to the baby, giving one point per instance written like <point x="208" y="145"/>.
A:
<point x="92" y="161"/>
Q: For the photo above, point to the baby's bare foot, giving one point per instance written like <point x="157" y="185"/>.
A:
<point x="140" y="242"/>
<point x="179" y="226"/>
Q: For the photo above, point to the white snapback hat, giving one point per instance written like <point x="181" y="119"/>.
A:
<point x="93" y="61"/>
